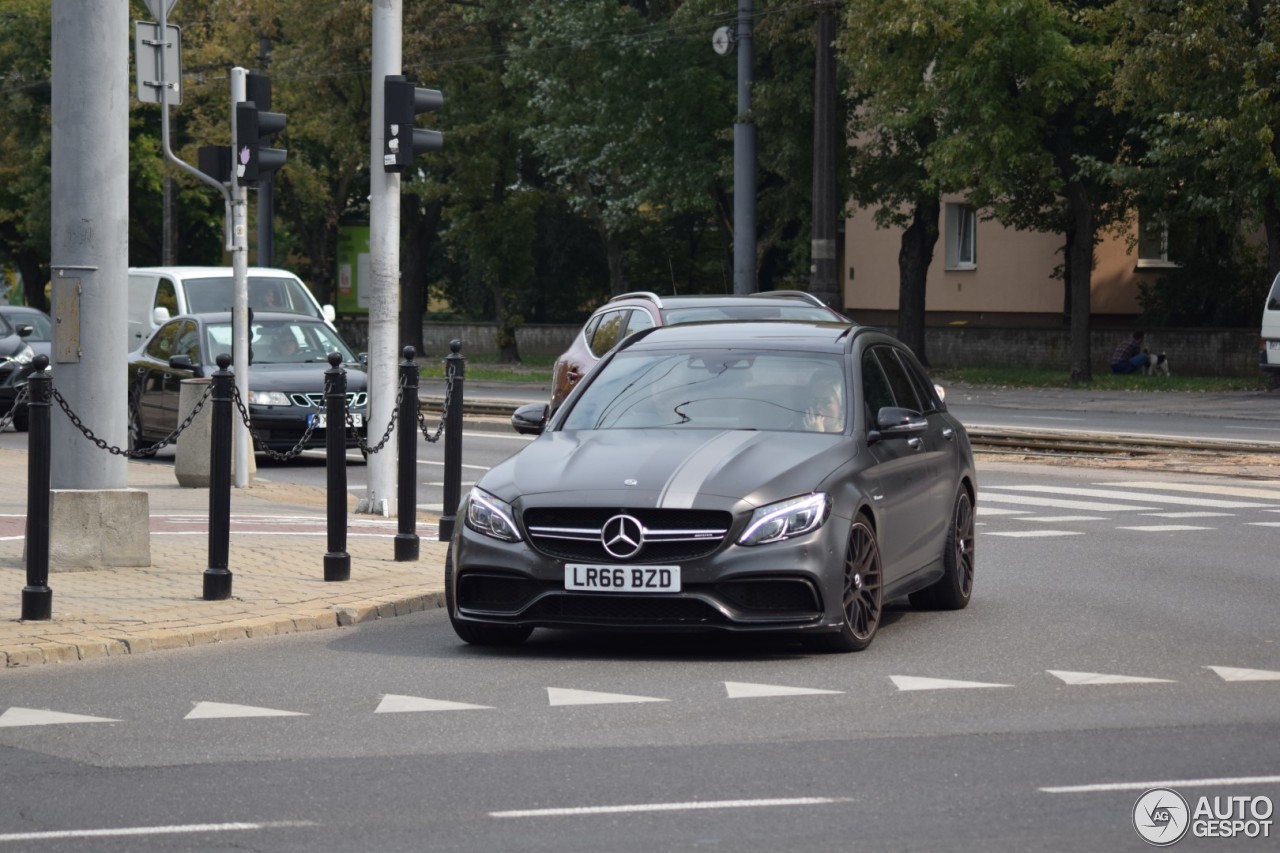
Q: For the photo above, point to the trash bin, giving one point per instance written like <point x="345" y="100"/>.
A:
<point x="191" y="465"/>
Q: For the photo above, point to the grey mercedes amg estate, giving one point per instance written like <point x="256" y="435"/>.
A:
<point x="770" y="477"/>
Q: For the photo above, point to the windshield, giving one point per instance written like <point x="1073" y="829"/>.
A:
<point x="283" y="342"/>
<point x="266" y="293"/>
<point x="765" y="311"/>
<point x="716" y="389"/>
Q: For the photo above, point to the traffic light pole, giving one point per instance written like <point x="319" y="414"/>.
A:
<point x="744" y="161"/>
<point x="240" y="290"/>
<point x="384" y="263"/>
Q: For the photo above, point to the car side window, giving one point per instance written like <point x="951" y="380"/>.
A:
<point x="876" y="393"/>
<point x="609" y="332"/>
<point x="162" y="345"/>
<point x="929" y="401"/>
<point x="188" y="342"/>
<point x="166" y="297"/>
<point x="640" y="319"/>
<point x="903" y="391"/>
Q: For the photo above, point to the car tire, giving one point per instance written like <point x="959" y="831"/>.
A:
<point x="478" y="633"/>
<point x="136" y="442"/>
<point x="953" y="590"/>
<point x="862" y="594"/>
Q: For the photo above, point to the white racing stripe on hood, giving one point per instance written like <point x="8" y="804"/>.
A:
<point x="680" y="491"/>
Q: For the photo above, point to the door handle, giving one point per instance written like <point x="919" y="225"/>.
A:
<point x="915" y="443"/>
<point x="949" y="434"/>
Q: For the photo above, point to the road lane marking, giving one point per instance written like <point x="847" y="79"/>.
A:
<point x="1200" y="489"/>
<point x="1054" y="519"/>
<point x="1161" y="783"/>
<point x="1084" y="506"/>
<point x="1075" y="678"/>
<point x="15" y="717"/>
<point x="566" y="696"/>
<point x="1033" y="534"/>
<point x="1231" y="673"/>
<point x="672" y="807"/>
<point x="68" y="834"/>
<point x="1165" y="528"/>
<point x="1151" y="497"/>
<point x="393" y="704"/>
<point x="220" y="710"/>
<point x="913" y="682"/>
<point x="747" y="690"/>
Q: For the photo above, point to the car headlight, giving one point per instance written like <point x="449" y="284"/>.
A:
<point x="24" y="355"/>
<point x="269" y="398"/>
<point x="785" y="519"/>
<point x="491" y="516"/>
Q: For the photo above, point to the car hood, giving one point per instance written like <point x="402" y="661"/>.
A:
<point x="303" y="378"/>
<point x="669" y="468"/>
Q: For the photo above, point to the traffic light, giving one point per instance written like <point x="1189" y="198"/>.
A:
<point x="254" y="131"/>
<point x="400" y="139"/>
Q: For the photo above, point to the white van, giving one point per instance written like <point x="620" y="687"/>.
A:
<point x="1269" y="355"/>
<point x="158" y="293"/>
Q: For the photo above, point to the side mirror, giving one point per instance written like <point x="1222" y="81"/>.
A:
<point x="894" y="422"/>
<point x="159" y="315"/>
<point x="530" y="419"/>
<point x="183" y="362"/>
<point x="24" y="331"/>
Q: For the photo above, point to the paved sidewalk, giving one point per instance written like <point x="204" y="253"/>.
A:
<point x="277" y="547"/>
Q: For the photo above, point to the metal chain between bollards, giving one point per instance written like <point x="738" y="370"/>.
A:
<point x="444" y="413"/>
<point x="391" y="425"/>
<point x="141" y="452"/>
<point x="278" y="455"/>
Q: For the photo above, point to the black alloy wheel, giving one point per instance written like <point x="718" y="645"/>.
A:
<point x="862" y="594"/>
<point x="478" y="633"/>
<point x="136" y="442"/>
<point x="954" y="588"/>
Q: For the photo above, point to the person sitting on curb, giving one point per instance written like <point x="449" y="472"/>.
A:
<point x="1129" y="357"/>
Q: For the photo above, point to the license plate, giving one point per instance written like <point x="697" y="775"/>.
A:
<point x="318" y="421"/>
<point x="622" y="578"/>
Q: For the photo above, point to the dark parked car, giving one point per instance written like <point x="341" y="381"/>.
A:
<point x="41" y="334"/>
<point x="15" y="364"/>
<point x="631" y="312"/>
<point x="771" y="477"/>
<point x="286" y="376"/>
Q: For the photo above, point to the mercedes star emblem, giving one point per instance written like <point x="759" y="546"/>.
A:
<point x="622" y="536"/>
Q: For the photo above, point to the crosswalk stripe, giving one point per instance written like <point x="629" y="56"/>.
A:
<point x="1149" y="497"/>
<point x="1203" y="489"/>
<point x="1061" y="503"/>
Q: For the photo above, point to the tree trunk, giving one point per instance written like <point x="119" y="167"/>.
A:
<point x="1079" y="272"/>
<point x="914" y="256"/>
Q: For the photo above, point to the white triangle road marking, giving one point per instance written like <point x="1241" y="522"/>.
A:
<point x="1034" y="534"/>
<point x="915" y="682"/>
<point x="1231" y="673"/>
<point x="1203" y="489"/>
<point x="1165" y="528"/>
<point x="1150" y="497"/>
<point x="219" y="710"/>
<point x="1074" y="678"/>
<point x="566" y="696"/>
<point x="747" y="690"/>
<point x="1059" y="503"/>
<point x="393" y="704"/>
<point x="15" y="717"/>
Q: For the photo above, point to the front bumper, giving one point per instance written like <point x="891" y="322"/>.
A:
<point x="788" y="586"/>
<point x="280" y="428"/>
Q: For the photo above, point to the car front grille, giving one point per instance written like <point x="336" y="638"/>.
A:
<point x="670" y="535"/>
<point x="630" y="610"/>
<point x="355" y="400"/>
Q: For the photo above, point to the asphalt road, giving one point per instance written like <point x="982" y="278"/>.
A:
<point x="1117" y="622"/>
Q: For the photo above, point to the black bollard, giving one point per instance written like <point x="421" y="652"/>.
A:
<point x="217" y="578"/>
<point x="37" y="597"/>
<point x="407" y="458"/>
<point x="455" y="367"/>
<point x="337" y="562"/>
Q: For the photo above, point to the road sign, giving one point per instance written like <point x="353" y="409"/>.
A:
<point x="148" y="47"/>
<point x="154" y="8"/>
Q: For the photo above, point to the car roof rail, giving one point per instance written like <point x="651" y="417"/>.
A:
<point x="640" y="294"/>
<point x="798" y="294"/>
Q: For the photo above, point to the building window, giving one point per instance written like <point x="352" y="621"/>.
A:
<point x="961" y="224"/>
<point x="1153" y="241"/>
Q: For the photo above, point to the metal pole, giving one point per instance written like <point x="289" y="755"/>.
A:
<point x="455" y="368"/>
<point x="217" y="578"/>
<point x="824" y="278"/>
<point x="89" y="234"/>
<point x="744" y="161"/>
<point x="337" y="562"/>
<point x="406" y="548"/>
<point x="240" y="288"/>
<point x="37" y="597"/>
<point x="384" y="261"/>
<point x="266" y="187"/>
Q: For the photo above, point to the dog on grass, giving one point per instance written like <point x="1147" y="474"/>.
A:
<point x="1157" y="366"/>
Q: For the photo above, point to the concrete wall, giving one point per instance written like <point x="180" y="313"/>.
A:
<point x="1192" y="352"/>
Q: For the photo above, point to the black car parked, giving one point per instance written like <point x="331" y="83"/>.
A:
<point x="768" y="477"/>
<point x="15" y="365"/>
<point x="289" y="357"/>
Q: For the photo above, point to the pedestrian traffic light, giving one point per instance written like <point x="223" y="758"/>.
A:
<point x="400" y="139"/>
<point x="255" y="128"/>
